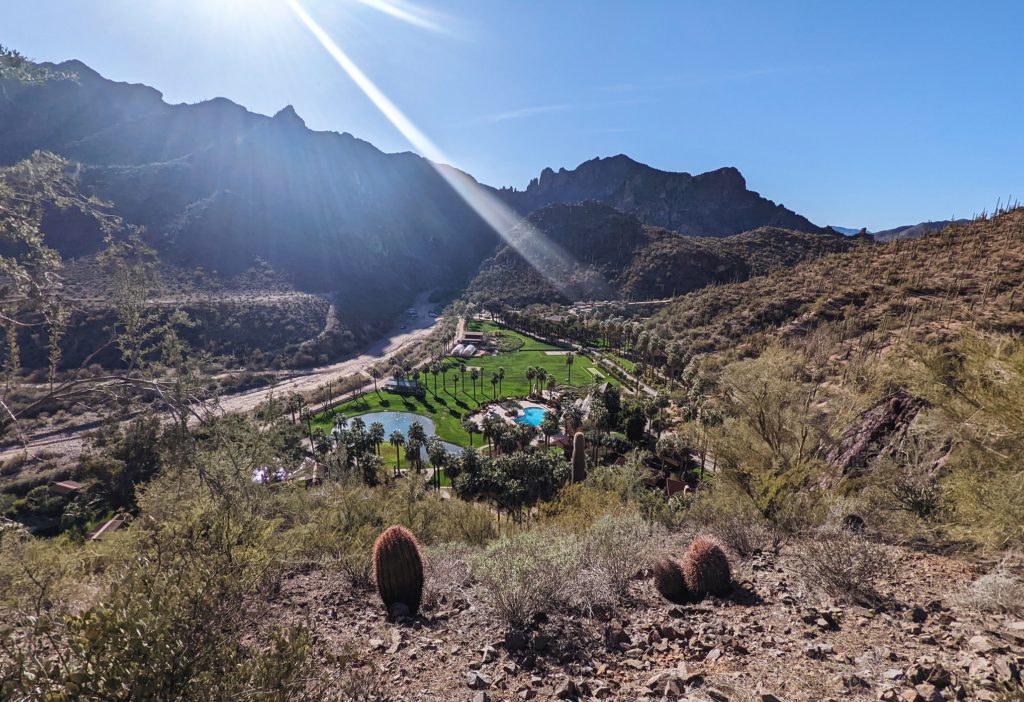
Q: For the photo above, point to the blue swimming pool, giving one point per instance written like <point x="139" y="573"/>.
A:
<point x="532" y="415"/>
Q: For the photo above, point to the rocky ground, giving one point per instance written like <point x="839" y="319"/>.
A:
<point x="774" y="639"/>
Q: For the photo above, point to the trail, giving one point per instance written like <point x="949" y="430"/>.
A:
<point x="71" y="440"/>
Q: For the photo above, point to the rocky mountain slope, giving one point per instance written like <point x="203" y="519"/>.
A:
<point x="220" y="187"/>
<point x="592" y="251"/>
<point x="717" y="203"/>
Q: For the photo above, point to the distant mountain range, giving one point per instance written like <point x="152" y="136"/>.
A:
<point x="908" y="231"/>
<point x="219" y="187"/>
<point x="717" y="203"/>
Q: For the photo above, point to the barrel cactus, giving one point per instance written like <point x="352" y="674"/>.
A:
<point x="706" y="568"/>
<point x="579" y="457"/>
<point x="398" y="569"/>
<point x="668" y="579"/>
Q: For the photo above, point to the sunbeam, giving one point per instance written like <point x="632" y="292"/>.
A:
<point x="407" y="12"/>
<point x="543" y="255"/>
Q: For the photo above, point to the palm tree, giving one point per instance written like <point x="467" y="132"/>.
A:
<point x="542" y="376"/>
<point x="501" y="378"/>
<point x="462" y="374"/>
<point x="474" y="375"/>
<point x="376" y="373"/>
<point x="552" y="384"/>
<point x="455" y="384"/>
<point x="417" y="438"/>
<point x="531" y="374"/>
<point x="494" y="384"/>
<point x="376" y="436"/>
<point x="549" y="426"/>
<point x="572" y="418"/>
<point x="638" y="370"/>
<point x="397" y="439"/>
<point x="439" y="458"/>
<point x="470" y="427"/>
<point x="435" y="368"/>
<point x="569" y="358"/>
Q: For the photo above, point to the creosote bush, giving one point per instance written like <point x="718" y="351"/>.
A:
<point x="844" y="564"/>
<point x="617" y="546"/>
<point x="528" y="573"/>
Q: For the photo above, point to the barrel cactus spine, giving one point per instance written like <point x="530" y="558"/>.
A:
<point x="706" y="568"/>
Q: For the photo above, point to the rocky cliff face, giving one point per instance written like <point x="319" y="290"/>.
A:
<point x="717" y="203"/>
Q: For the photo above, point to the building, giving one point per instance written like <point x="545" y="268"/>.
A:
<point x="107" y="529"/>
<point x="67" y="487"/>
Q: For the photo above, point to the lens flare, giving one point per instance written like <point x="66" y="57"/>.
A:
<point x="548" y="259"/>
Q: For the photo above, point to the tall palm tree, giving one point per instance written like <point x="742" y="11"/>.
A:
<point x="549" y="427"/>
<point x="435" y="368"/>
<point x="462" y="374"/>
<point x="494" y="384"/>
<point x="417" y="437"/>
<point x="531" y="375"/>
<point x="542" y="377"/>
<point x="501" y="378"/>
<point x="552" y="384"/>
<point x="474" y="376"/>
<point x="569" y="358"/>
<point x="397" y="439"/>
<point x="376" y="374"/>
<point x="376" y="436"/>
<point x="455" y="384"/>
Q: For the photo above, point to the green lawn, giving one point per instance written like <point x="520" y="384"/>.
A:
<point x="528" y="344"/>
<point x="446" y="410"/>
<point x="624" y="362"/>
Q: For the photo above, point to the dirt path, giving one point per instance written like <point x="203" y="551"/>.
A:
<point x="70" y="440"/>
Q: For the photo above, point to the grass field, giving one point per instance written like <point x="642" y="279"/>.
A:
<point x="447" y="408"/>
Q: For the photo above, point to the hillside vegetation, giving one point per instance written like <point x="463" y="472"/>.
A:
<point x="591" y="251"/>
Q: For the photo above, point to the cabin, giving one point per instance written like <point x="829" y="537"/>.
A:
<point x="108" y="528"/>
<point x="67" y="487"/>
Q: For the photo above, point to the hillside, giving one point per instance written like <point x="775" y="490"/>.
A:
<point x="911" y="231"/>
<point x="220" y="187"/>
<point x="717" y="203"/>
<point x="922" y="289"/>
<point x="592" y="251"/>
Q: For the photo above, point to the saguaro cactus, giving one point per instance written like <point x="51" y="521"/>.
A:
<point x="398" y="569"/>
<point x="579" y="457"/>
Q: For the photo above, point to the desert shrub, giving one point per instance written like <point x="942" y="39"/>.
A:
<point x="909" y="475"/>
<point x="528" y="573"/>
<point x="617" y="546"/>
<point x="844" y="564"/>
<point x="1001" y="590"/>
<point x="731" y="517"/>
<point x="449" y="576"/>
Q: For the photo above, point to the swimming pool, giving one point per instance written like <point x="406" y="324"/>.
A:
<point x="532" y="415"/>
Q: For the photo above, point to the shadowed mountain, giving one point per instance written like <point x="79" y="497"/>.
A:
<point x="912" y="231"/>
<point x="604" y="254"/>
<point x="716" y="203"/>
<point x="220" y="187"/>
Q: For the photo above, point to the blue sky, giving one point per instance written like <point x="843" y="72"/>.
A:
<point x="852" y="113"/>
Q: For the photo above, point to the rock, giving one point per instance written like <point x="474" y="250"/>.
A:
<point x="669" y="684"/>
<point x="396" y="642"/>
<point x="818" y="651"/>
<point x="713" y="655"/>
<point x="481" y="697"/>
<point x="918" y="615"/>
<point x="980" y="644"/>
<point x="633" y="663"/>
<point x="909" y="695"/>
<point x="376" y="644"/>
<point x="767" y="697"/>
<point x="929" y="693"/>
<point x="979" y="669"/>
<point x="567" y="690"/>
<point x="515" y="641"/>
<point x="540" y="642"/>
<point x="603" y="692"/>
<point x="893" y="674"/>
<point x="615" y="636"/>
<point x="489" y="654"/>
<point x="477" y="680"/>
<point x="1006" y="670"/>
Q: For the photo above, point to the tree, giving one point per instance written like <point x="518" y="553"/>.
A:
<point x="572" y="417"/>
<point x="376" y="436"/>
<point x="501" y="379"/>
<point x="435" y="369"/>
<point x="474" y="375"/>
<point x="569" y="358"/>
<point x="439" y="458"/>
<point x="531" y="375"/>
<point x="470" y="427"/>
<point x="397" y="439"/>
<point x="549" y="426"/>
<point x="494" y="384"/>
<point x="376" y="373"/>
<point x="417" y="438"/>
<point x="455" y="384"/>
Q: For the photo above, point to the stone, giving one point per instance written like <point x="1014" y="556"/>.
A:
<point x="489" y="654"/>
<point x="615" y="636"/>
<point x="567" y="690"/>
<point x="713" y="655"/>
<point x="481" y="697"/>
<point x="893" y="674"/>
<point x="767" y="697"/>
<point x="929" y="692"/>
<point x="980" y="644"/>
<point x="669" y="683"/>
<point x="376" y="644"/>
<point x="477" y="680"/>
<point x="909" y="695"/>
<point x="633" y="663"/>
<point x="515" y="641"/>
<point x="540" y="642"/>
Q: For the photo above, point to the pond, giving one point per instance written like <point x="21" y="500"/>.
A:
<point x="532" y="415"/>
<point x="402" y="421"/>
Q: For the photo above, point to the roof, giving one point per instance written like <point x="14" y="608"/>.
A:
<point x="673" y="486"/>
<point x="66" y="487"/>
<point x="107" y="529"/>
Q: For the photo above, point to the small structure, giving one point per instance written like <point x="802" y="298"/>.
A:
<point x="404" y="386"/>
<point x="459" y="348"/>
<point x="469" y="351"/>
<point x="108" y="528"/>
<point x="673" y="486"/>
<point x="472" y="337"/>
<point x="67" y="487"/>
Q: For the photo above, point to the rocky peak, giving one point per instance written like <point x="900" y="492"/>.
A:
<point x="289" y="117"/>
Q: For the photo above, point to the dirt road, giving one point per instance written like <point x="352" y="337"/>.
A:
<point x="70" y="440"/>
